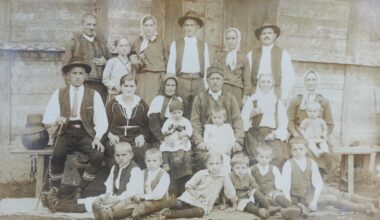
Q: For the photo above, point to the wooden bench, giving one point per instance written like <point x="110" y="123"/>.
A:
<point x="42" y="162"/>
<point x="350" y="152"/>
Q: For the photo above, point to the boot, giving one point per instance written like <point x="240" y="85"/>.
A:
<point x="290" y="213"/>
<point x="52" y="199"/>
<point x="70" y="206"/>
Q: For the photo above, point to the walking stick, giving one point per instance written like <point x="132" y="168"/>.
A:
<point x="43" y="182"/>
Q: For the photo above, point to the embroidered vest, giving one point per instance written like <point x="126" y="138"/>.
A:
<point x="124" y="177"/>
<point x="86" y="108"/>
<point x="276" y="58"/>
<point x="302" y="187"/>
<point x="266" y="182"/>
<point x="180" y="47"/>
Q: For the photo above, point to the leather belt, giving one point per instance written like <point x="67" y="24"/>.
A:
<point x="189" y="75"/>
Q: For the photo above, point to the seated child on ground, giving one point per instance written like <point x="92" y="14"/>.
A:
<point x="247" y="190"/>
<point x="154" y="197"/>
<point x="308" y="191"/>
<point x="314" y="130"/>
<point x="123" y="182"/>
<point x="269" y="180"/>
<point x="176" y="148"/>
<point x="202" y="190"/>
<point x="219" y="136"/>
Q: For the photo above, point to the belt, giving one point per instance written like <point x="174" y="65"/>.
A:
<point x="75" y="124"/>
<point x="189" y="75"/>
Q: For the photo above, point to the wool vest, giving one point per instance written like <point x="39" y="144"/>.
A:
<point x="180" y="47"/>
<point x="86" y="51"/>
<point x="86" y="108"/>
<point x="266" y="182"/>
<point x="124" y="177"/>
<point x="301" y="180"/>
<point x="155" y="181"/>
<point x="276" y="58"/>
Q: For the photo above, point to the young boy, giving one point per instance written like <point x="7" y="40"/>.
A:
<point x="303" y="184"/>
<point x="123" y="183"/>
<point x="220" y="136"/>
<point x="314" y="130"/>
<point x="155" y="193"/>
<point x="202" y="190"/>
<point x="246" y="187"/>
<point x="269" y="180"/>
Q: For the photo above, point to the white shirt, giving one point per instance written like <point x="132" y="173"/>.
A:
<point x="288" y="75"/>
<point x="316" y="179"/>
<point x="190" y="59"/>
<point x="161" y="189"/>
<point x="89" y="38"/>
<point x="114" y="70"/>
<point x="215" y="95"/>
<point x="134" y="186"/>
<point x="53" y="112"/>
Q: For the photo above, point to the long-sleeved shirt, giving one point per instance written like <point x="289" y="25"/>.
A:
<point x="160" y="190"/>
<point x="134" y="186"/>
<point x="288" y="75"/>
<point x="53" y="112"/>
<point x="208" y="188"/>
<point x="219" y="138"/>
<point x="114" y="70"/>
<point x="175" y="130"/>
<point x="316" y="179"/>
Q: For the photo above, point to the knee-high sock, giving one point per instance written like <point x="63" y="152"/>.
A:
<point x="186" y="213"/>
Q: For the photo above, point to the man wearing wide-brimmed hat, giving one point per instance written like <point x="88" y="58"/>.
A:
<point x="271" y="59"/>
<point x="201" y="112"/>
<point x="91" y="49"/>
<point x="81" y="113"/>
<point x="188" y="59"/>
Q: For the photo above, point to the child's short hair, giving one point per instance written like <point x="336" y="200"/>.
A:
<point x="239" y="158"/>
<point x="314" y="105"/>
<point x="264" y="148"/>
<point x="212" y="154"/>
<point x="124" y="145"/>
<point x="116" y="42"/>
<point x="219" y="109"/>
<point x="153" y="151"/>
<point x="297" y="140"/>
<point x="175" y="104"/>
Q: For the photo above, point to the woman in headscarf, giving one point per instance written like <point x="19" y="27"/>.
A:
<point x="237" y="77"/>
<point x="151" y="51"/>
<point x="265" y="120"/>
<point x="297" y="112"/>
<point x="128" y="121"/>
<point x="180" y="162"/>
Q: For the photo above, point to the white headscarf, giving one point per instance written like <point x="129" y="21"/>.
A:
<point x="309" y="96"/>
<point x="231" y="58"/>
<point x="146" y="39"/>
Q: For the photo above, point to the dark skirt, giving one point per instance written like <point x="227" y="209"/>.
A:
<point x="255" y="138"/>
<point x="180" y="163"/>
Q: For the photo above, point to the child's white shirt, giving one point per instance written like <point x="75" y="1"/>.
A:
<point x="219" y="138"/>
<point x="160" y="190"/>
<point x="178" y="144"/>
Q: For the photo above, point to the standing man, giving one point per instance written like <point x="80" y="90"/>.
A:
<point x="189" y="60"/>
<point x="201" y="113"/>
<point x="271" y="59"/>
<point x="89" y="48"/>
<point x="81" y="113"/>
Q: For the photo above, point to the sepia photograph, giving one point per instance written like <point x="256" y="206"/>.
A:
<point x="189" y="109"/>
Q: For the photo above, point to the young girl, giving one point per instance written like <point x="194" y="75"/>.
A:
<point x="118" y="66"/>
<point x="202" y="190"/>
<point x="176" y="147"/>
<point x="219" y="136"/>
<point x="314" y="130"/>
<point x="151" y="51"/>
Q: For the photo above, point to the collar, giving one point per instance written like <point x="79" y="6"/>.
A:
<point x="190" y="39"/>
<point x="89" y="38"/>
<point x="73" y="88"/>
<point x="268" y="47"/>
<point x="263" y="169"/>
<point x="122" y="167"/>
<point x="136" y="100"/>
<point x="219" y="93"/>
<point x="221" y="173"/>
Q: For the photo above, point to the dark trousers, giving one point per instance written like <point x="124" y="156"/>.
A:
<point x="188" y="88"/>
<point x="180" y="209"/>
<point x="71" y="140"/>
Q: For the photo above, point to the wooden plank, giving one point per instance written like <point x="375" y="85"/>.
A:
<point x="46" y="151"/>
<point x="372" y="163"/>
<point x="40" y="173"/>
<point x="350" y="173"/>
<point x="356" y="150"/>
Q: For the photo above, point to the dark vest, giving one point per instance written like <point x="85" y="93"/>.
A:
<point x="266" y="182"/>
<point x="180" y="47"/>
<point x="124" y="177"/>
<point x="155" y="181"/>
<point x="86" y="108"/>
<point x="302" y="187"/>
<point x="276" y="58"/>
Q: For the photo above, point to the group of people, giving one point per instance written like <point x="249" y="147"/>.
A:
<point x="212" y="124"/>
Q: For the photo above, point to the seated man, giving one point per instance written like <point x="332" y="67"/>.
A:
<point x="79" y="112"/>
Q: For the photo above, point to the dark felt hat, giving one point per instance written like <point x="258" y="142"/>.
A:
<point x="190" y="15"/>
<point x="76" y="63"/>
<point x="276" y="29"/>
<point x="33" y="124"/>
<point x="215" y="69"/>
